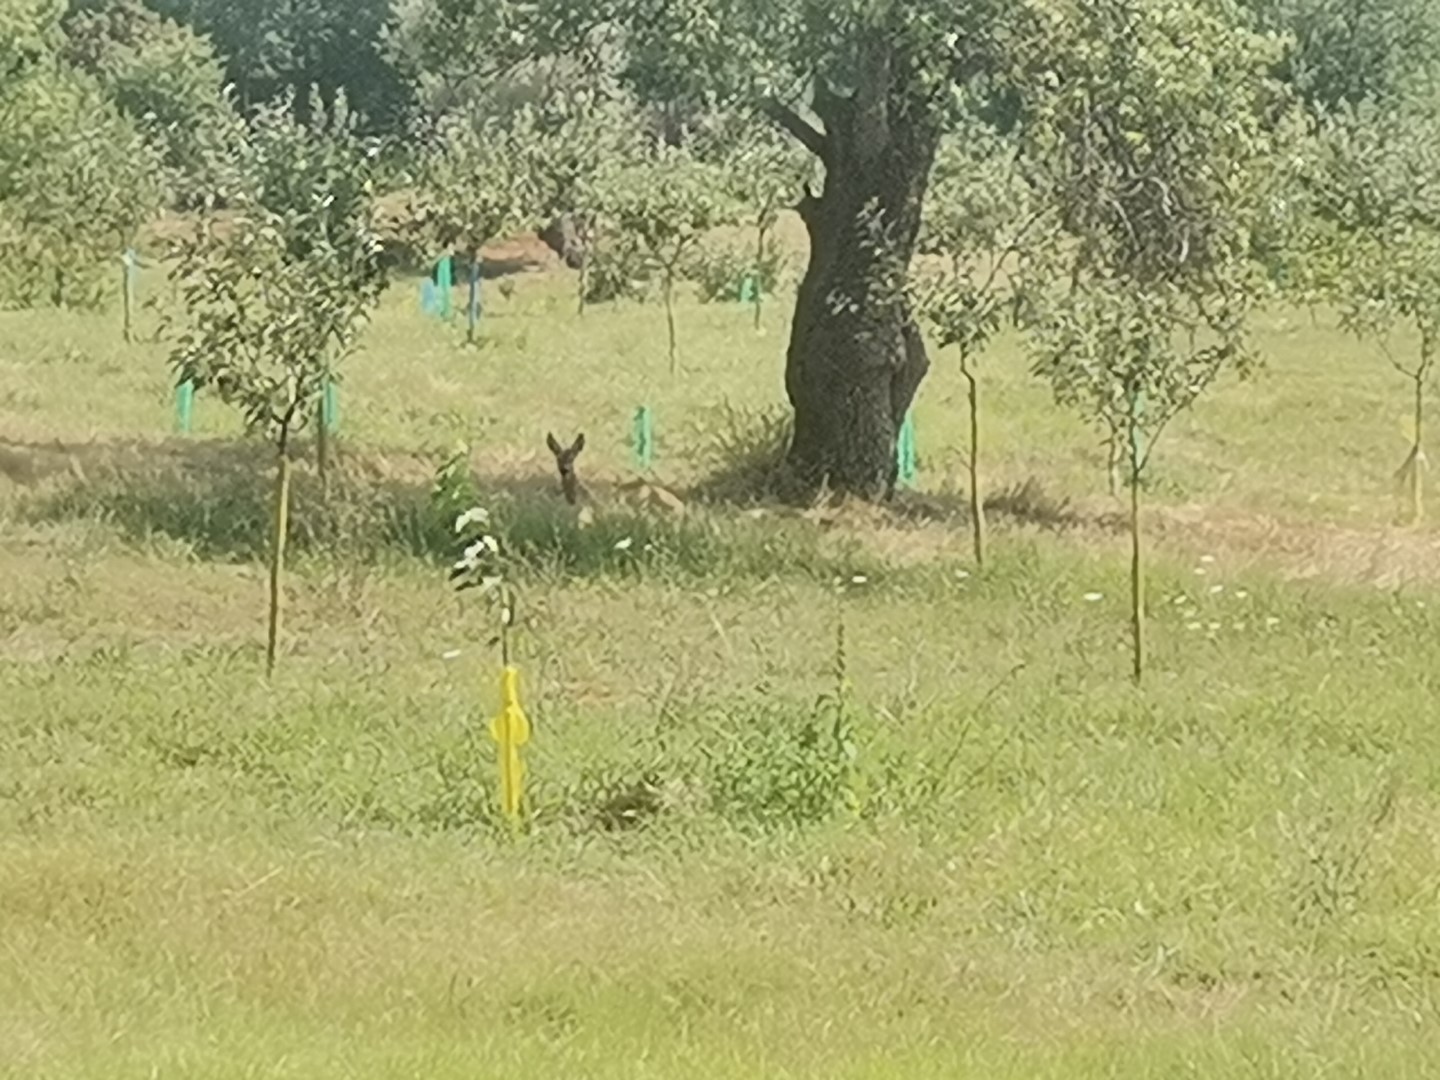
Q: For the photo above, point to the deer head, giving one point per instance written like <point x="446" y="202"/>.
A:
<point x="565" y="463"/>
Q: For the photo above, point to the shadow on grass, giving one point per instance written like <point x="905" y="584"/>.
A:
<point x="745" y="468"/>
<point x="214" y="497"/>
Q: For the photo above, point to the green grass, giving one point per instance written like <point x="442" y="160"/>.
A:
<point x="1016" y="865"/>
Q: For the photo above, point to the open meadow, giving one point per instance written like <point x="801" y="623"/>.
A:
<point x="919" y="823"/>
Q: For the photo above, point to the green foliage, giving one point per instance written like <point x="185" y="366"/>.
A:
<point x="317" y="186"/>
<point x="719" y="271"/>
<point x="477" y="185"/>
<point x="78" y="179"/>
<point x="669" y="201"/>
<point x="29" y="33"/>
<point x="1376" y="203"/>
<point x="1345" y="52"/>
<point x="1157" y="143"/>
<point x="765" y="172"/>
<point x="980" y="214"/>
<point x="779" y="766"/>
<point x="617" y="268"/>
<point x="278" y="296"/>
<point x="454" y="490"/>
<point x="337" y="46"/>
<point x="167" y="80"/>
<point x="1375" y="236"/>
<point x="704" y="50"/>
<point x="573" y="144"/>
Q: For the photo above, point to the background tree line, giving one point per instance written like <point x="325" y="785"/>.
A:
<point x="1197" y="158"/>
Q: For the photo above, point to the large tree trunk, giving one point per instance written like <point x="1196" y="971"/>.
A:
<point x="856" y="356"/>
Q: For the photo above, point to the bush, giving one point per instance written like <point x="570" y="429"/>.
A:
<point x="781" y="766"/>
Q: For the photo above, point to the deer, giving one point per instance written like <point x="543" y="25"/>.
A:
<point x="639" y="494"/>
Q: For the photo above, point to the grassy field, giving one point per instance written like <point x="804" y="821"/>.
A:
<point x="951" y="841"/>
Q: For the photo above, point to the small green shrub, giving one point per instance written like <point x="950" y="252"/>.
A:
<point x="775" y="765"/>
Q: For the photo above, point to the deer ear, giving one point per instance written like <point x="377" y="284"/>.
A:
<point x="553" y="443"/>
<point x="579" y="444"/>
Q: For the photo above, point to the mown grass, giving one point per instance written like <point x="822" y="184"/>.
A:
<point x="952" y="840"/>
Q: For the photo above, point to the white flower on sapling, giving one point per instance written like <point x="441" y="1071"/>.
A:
<point x="476" y="515"/>
<point x="478" y="551"/>
<point x="625" y="544"/>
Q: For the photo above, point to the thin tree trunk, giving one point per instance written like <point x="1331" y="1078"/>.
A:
<point x="322" y="447"/>
<point x="472" y="301"/>
<point x="584" y="238"/>
<point x="1417" y="452"/>
<point x="669" y="290"/>
<point x="277" y="548"/>
<point x="127" y="297"/>
<point x="977" y="501"/>
<point x="1137" y="578"/>
<point x="759" y="299"/>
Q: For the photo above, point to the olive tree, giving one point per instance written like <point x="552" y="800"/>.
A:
<point x="764" y="172"/>
<point x="1376" y="245"/>
<point x="1351" y="52"/>
<point x="77" y="180"/>
<point x="1158" y="145"/>
<point x="319" y="183"/>
<point x="868" y="88"/>
<point x="864" y="88"/>
<point x="477" y="185"/>
<point x="578" y="144"/>
<point x="980" y="216"/>
<point x="167" y="80"/>
<point x="667" y="202"/>
<point x="276" y="297"/>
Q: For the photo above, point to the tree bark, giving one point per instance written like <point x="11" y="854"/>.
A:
<point x="856" y="356"/>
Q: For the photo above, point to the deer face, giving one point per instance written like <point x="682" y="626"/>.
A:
<point x="565" y="464"/>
